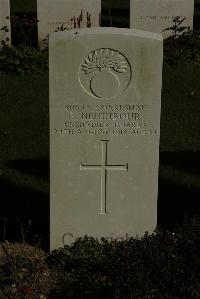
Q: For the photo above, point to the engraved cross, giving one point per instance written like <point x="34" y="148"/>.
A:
<point x="104" y="167"/>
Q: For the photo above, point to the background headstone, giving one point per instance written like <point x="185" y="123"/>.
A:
<point x="5" y="28"/>
<point x="105" y="89"/>
<point x="158" y="15"/>
<point x="66" y="14"/>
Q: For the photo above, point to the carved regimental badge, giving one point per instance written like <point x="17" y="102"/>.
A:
<point x="105" y="73"/>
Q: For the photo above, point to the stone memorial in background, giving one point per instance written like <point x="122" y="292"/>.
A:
<point x="58" y="15"/>
<point x="5" y="28"/>
<point x="105" y="98"/>
<point x="159" y="15"/>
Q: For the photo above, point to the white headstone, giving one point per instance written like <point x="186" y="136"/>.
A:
<point x="5" y="28"/>
<point x="105" y="94"/>
<point x="158" y="15"/>
<point x="66" y="14"/>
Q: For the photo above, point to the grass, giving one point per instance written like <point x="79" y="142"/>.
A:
<point x="180" y="109"/>
<point x="24" y="154"/>
<point x="24" y="140"/>
<point x="179" y="182"/>
<point x="25" y="102"/>
<point x="24" y="151"/>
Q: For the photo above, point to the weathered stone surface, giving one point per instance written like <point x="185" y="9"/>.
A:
<point x="65" y="15"/>
<point x="5" y="28"/>
<point x="105" y="93"/>
<point x="158" y="15"/>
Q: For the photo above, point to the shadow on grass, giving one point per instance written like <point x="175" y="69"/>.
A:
<point x="179" y="195"/>
<point x="24" y="211"/>
<point x="184" y="161"/>
<point x="176" y="202"/>
<point x="37" y="167"/>
<point x="20" y="204"/>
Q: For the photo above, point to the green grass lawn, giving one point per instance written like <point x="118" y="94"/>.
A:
<point x="180" y="109"/>
<point x="24" y="113"/>
<point x="24" y="121"/>
<point x="24" y="116"/>
<point x="24" y="157"/>
<point x="24" y="125"/>
<point x="24" y="150"/>
<point x="24" y="145"/>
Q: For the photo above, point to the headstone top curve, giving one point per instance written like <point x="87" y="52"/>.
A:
<point x="106" y="30"/>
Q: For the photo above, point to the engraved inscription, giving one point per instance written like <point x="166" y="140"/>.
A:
<point x="104" y="167"/>
<point x="106" y="119"/>
<point x="105" y="73"/>
<point x="158" y="17"/>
